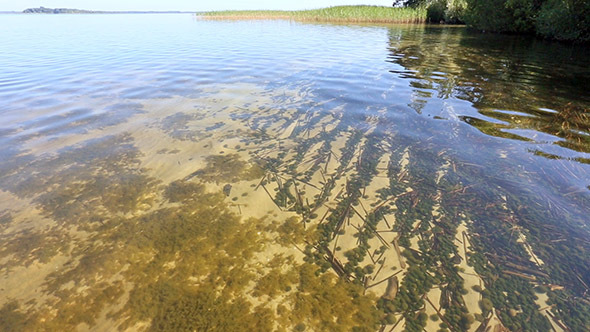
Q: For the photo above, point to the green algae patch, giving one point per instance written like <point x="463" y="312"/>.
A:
<point x="13" y="319"/>
<point x="84" y="184"/>
<point x="205" y="310"/>
<point x="5" y="218"/>
<point x="333" y="310"/>
<point x="227" y="168"/>
<point x="33" y="246"/>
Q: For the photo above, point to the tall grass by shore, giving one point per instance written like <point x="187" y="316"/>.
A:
<point x="359" y="14"/>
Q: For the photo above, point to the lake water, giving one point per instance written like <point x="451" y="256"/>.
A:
<point x="168" y="173"/>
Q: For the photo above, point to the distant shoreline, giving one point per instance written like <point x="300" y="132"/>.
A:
<point x="56" y="11"/>
<point x="97" y="13"/>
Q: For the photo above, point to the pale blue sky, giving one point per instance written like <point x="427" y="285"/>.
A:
<point x="184" y="5"/>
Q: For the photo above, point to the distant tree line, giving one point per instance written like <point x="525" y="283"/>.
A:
<point x="554" y="19"/>
<point x="43" y="10"/>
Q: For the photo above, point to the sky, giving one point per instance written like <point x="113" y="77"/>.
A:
<point x="183" y="5"/>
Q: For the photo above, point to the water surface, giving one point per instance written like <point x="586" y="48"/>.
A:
<point x="163" y="172"/>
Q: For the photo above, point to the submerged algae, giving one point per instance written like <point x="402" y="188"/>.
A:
<point x="228" y="168"/>
<point x="182" y="266"/>
<point x="362" y="203"/>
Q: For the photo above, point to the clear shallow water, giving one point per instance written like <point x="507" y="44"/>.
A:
<point x="374" y="137"/>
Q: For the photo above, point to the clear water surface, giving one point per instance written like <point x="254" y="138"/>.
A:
<point x="164" y="172"/>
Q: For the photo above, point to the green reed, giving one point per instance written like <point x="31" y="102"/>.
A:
<point x="361" y="14"/>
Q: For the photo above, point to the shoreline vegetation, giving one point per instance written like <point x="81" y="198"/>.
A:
<point x="550" y="20"/>
<point x="562" y="20"/>
<point x="352" y="14"/>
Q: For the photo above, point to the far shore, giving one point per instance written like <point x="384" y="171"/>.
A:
<point x="53" y="11"/>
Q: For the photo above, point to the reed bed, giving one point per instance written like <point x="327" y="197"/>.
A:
<point x="357" y="14"/>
